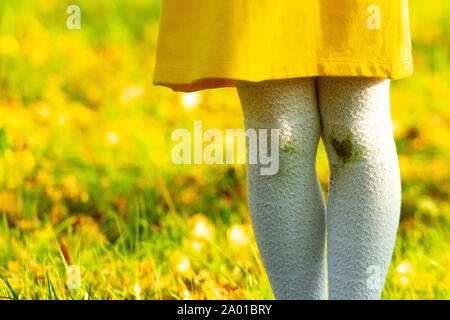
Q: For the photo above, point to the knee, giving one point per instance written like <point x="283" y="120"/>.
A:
<point x="347" y="144"/>
<point x="299" y="139"/>
<point x="358" y="143"/>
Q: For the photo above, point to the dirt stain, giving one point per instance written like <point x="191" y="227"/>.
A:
<point x="288" y="149"/>
<point x="345" y="148"/>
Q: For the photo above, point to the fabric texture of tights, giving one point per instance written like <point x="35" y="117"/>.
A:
<point x="296" y="239"/>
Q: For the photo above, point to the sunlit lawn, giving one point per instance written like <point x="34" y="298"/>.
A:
<point x="86" y="177"/>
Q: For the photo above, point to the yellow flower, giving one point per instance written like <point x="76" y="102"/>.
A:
<point x="84" y="197"/>
<point x="219" y="293"/>
<point x="185" y="294"/>
<point x="9" y="203"/>
<point x="237" y="274"/>
<point x="182" y="265"/>
<point x="403" y="273"/>
<point x="196" y="245"/>
<point x="190" y="100"/>
<point x="41" y="110"/>
<point x="202" y="228"/>
<point x="188" y="196"/>
<point x="427" y="205"/>
<point x="405" y="268"/>
<point x="237" y="236"/>
<point x="70" y="186"/>
<point x="112" y="137"/>
<point x="58" y="212"/>
<point x="14" y="266"/>
<point x="137" y="291"/>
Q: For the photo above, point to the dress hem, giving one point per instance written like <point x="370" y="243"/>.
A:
<point x="223" y="74"/>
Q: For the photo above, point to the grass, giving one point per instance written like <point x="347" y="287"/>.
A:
<point x="86" y="178"/>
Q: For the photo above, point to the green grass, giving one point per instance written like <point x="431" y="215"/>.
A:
<point x="86" y="177"/>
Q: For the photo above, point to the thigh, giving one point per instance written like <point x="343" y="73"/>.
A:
<point x="355" y="115"/>
<point x="289" y="105"/>
<point x="351" y="99"/>
<point x="277" y="102"/>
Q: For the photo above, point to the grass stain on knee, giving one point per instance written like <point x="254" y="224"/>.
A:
<point x="289" y="149"/>
<point x="345" y="148"/>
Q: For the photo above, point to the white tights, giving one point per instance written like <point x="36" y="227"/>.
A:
<point x="295" y="237"/>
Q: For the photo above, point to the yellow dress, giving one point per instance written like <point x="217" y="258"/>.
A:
<point x="210" y="43"/>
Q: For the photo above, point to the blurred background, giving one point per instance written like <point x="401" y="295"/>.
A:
<point x="86" y="177"/>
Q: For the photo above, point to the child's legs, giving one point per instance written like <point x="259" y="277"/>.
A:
<point x="287" y="209"/>
<point x="363" y="203"/>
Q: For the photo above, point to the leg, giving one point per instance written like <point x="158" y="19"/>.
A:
<point x="287" y="209"/>
<point x="363" y="204"/>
